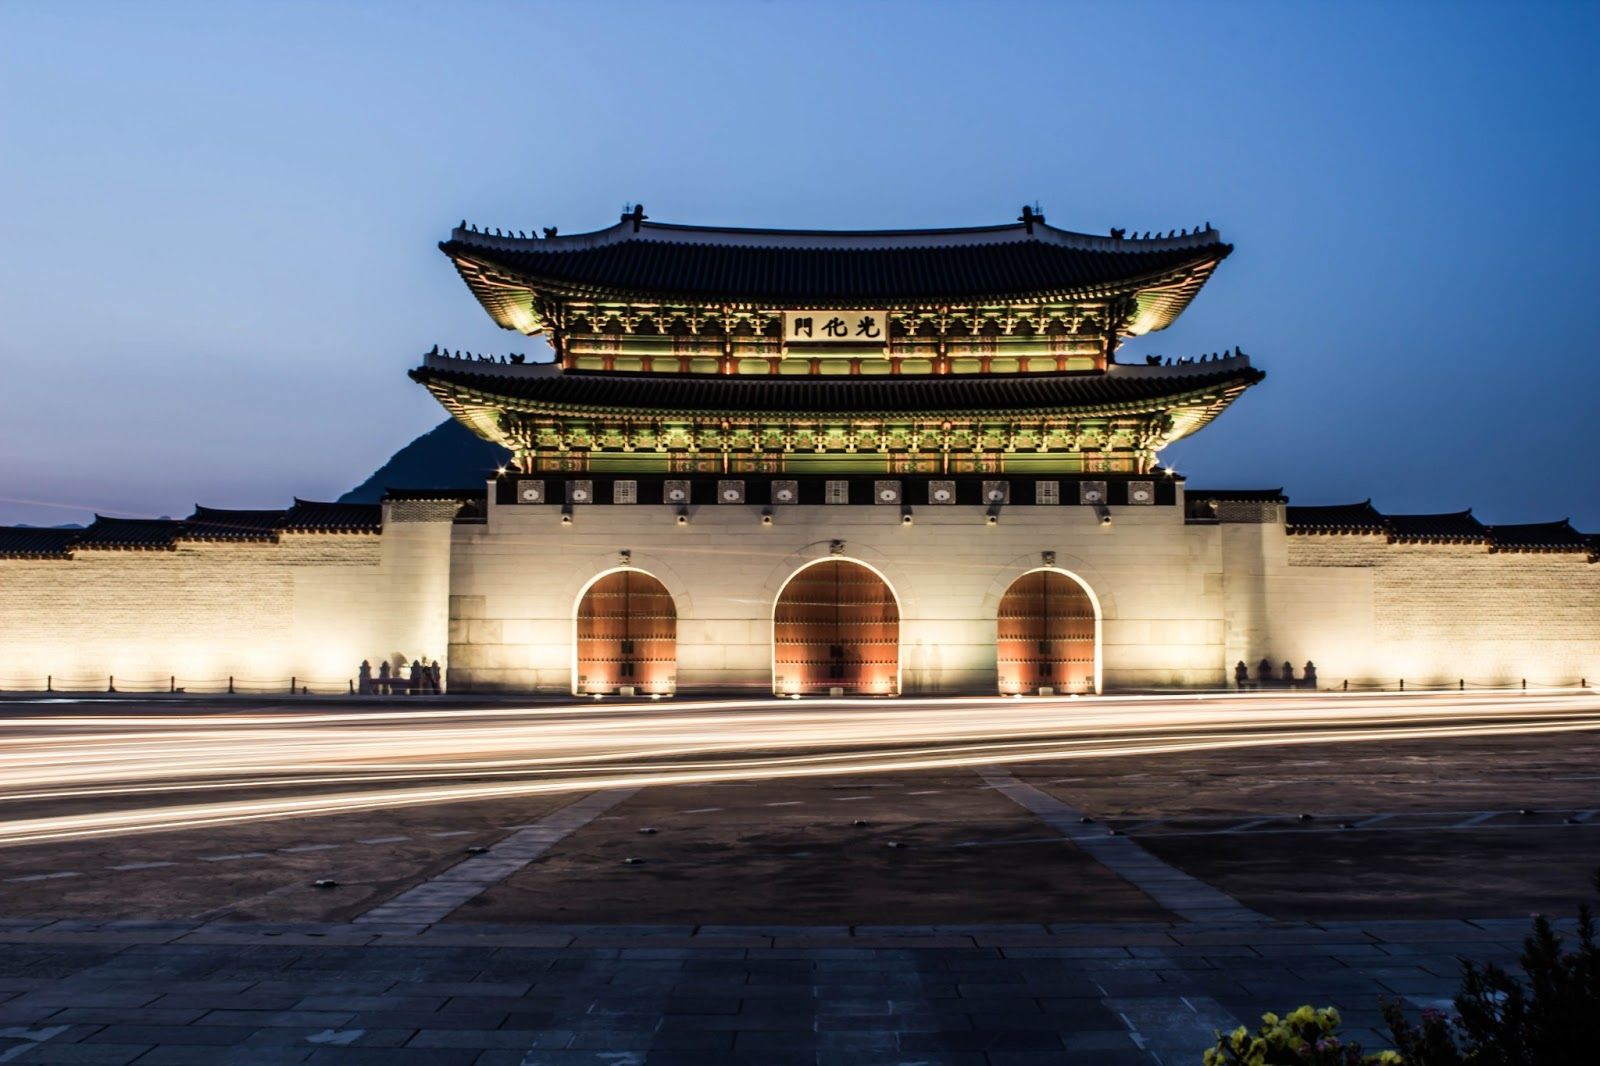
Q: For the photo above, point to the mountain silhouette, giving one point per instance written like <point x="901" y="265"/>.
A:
<point x="448" y="456"/>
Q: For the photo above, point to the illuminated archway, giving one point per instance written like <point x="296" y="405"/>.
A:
<point x="1047" y="636"/>
<point x="836" y="628"/>
<point x="625" y="636"/>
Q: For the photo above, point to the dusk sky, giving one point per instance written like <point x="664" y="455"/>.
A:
<point x="220" y="220"/>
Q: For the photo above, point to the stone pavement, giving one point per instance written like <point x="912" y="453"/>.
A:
<point x="172" y="993"/>
<point x="1187" y="897"/>
<point x="433" y="900"/>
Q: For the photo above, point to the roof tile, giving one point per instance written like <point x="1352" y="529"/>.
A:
<point x="887" y="395"/>
<point x="32" y="542"/>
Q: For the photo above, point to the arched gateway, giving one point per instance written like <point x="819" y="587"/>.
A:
<point x="1048" y="636"/>
<point x="626" y="636"/>
<point x="836" y="630"/>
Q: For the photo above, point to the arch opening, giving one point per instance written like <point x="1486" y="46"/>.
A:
<point x="626" y="639"/>
<point x="836" y="631"/>
<point x="1048" y="636"/>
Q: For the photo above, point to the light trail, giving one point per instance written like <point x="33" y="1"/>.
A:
<point x="108" y="775"/>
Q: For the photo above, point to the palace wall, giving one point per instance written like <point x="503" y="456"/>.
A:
<point x="1369" y="611"/>
<point x="310" y="606"/>
<point x="494" y="601"/>
<point x="515" y="582"/>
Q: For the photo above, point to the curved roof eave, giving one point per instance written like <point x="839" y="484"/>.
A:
<point x="513" y="301"/>
<point x="478" y="405"/>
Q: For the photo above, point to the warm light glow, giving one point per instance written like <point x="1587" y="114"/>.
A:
<point x="152" y="772"/>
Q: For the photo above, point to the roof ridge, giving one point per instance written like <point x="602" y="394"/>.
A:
<point x="1035" y="231"/>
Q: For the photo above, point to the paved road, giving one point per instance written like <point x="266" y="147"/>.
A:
<point x="75" y="776"/>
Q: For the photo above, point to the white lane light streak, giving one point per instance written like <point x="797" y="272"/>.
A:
<point x="318" y="764"/>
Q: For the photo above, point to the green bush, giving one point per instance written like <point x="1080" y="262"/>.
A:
<point x="1548" y="1017"/>
<point x="1551" y="1017"/>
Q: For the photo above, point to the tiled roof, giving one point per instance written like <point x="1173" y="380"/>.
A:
<point x="152" y="534"/>
<point x="1338" y="518"/>
<point x="308" y="516"/>
<point x="1457" y="527"/>
<point x="789" y="268"/>
<point x="30" y="542"/>
<point x="207" y="523"/>
<point x="218" y="523"/>
<point x="1538" y="537"/>
<point x="708" y="394"/>
<point x="791" y="276"/>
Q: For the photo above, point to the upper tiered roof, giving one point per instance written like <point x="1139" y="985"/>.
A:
<point x="644" y="261"/>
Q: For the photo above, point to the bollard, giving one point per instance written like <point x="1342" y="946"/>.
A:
<point x="172" y="683"/>
<point x="1524" y="684"/>
<point x="1402" y="684"/>
<point x="291" y="686"/>
<point x="1461" y="685"/>
<point x="49" y="682"/>
<point x="230" y="684"/>
<point x="111" y="684"/>
<point x="352" y="687"/>
<point x="1346" y="680"/>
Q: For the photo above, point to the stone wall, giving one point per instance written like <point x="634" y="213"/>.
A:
<point x="1371" y="612"/>
<point x="310" y="606"/>
<point x="515" y="582"/>
<point x="1180" y="603"/>
<point x="1367" y="610"/>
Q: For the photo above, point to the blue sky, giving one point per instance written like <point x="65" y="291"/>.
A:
<point x="220" y="220"/>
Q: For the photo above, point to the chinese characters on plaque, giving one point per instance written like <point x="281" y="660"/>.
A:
<point x="866" y="328"/>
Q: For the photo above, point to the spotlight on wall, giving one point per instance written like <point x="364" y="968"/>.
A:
<point x="1105" y="519"/>
<point x="1104" y="512"/>
<point x="993" y="517"/>
<point x="905" y="515"/>
<point x="566" y="514"/>
<point x="683" y="516"/>
<point x="766" y="516"/>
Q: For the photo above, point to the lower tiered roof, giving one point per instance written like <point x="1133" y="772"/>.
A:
<point x="577" y="391"/>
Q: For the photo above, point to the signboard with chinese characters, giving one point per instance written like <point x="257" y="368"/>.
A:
<point x="866" y="328"/>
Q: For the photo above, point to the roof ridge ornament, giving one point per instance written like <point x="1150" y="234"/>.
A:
<point x="634" y="213"/>
<point x="1031" y="213"/>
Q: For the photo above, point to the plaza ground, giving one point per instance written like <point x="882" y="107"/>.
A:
<point x="920" y="915"/>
